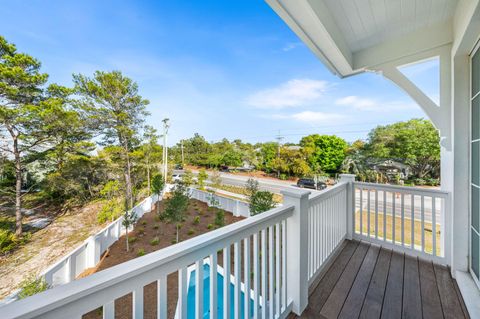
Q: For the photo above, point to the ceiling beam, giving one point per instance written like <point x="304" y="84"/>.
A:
<point x="423" y="40"/>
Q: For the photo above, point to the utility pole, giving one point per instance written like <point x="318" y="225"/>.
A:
<point x="183" y="159"/>
<point x="166" y="125"/>
<point x="279" y="139"/>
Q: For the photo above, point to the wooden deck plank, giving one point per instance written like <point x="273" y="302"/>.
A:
<point x="431" y="305"/>
<point x="372" y="307"/>
<point x="392" y="303"/>
<point x="320" y="295"/>
<point x="356" y="296"/>
<point x="335" y="301"/>
<point x="412" y="300"/>
<point x="451" y="304"/>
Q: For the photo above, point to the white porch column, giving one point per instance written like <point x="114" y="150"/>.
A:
<point x="459" y="225"/>
<point x="349" y="178"/>
<point x="297" y="248"/>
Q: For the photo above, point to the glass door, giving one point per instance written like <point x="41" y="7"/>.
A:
<point x="475" y="166"/>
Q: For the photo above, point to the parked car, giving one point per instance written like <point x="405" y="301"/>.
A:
<point x="310" y="183"/>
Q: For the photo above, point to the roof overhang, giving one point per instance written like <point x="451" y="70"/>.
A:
<point x="318" y="24"/>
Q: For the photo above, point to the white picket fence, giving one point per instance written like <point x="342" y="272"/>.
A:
<point x="235" y="206"/>
<point x="87" y="254"/>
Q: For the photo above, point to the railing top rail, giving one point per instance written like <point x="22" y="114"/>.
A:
<point x="328" y="192"/>
<point x="69" y="293"/>
<point x="403" y="189"/>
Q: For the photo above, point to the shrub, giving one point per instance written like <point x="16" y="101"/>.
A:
<point x="260" y="202"/>
<point x="8" y="241"/>
<point x="144" y="222"/>
<point x="141" y="252"/>
<point x="111" y="210"/>
<point x="196" y="220"/>
<point x="32" y="285"/>
<point x="191" y="232"/>
<point x="283" y="177"/>
<point x="155" y="241"/>
<point x="210" y="226"/>
<point x="132" y="239"/>
<point x="140" y="231"/>
<point x="419" y="181"/>
<point x="174" y="241"/>
<point x="155" y="227"/>
<point x="157" y="218"/>
<point x="179" y="225"/>
<point x="220" y="218"/>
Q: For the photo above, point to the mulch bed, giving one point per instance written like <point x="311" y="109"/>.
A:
<point x="146" y="230"/>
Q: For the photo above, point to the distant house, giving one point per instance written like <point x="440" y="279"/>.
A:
<point x="392" y="169"/>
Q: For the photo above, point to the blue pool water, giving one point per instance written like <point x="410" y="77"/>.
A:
<point x="206" y="296"/>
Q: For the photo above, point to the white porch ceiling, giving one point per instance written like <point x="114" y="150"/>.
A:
<point x="352" y="36"/>
<point x="365" y="23"/>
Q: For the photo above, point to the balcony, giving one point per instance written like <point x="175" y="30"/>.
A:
<point x="344" y="246"/>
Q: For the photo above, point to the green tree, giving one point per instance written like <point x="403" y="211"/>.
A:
<point x="158" y="184"/>
<point x="187" y="178"/>
<point x="324" y="152"/>
<point x="202" y="177"/>
<point x="176" y="206"/>
<point x="260" y="202"/>
<point x="129" y="219"/>
<point x="415" y="142"/>
<point x="252" y="187"/>
<point x="29" y="114"/>
<point x="113" y="99"/>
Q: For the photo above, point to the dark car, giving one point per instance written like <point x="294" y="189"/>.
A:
<point x="310" y="183"/>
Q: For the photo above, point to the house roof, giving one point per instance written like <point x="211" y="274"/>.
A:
<point x="352" y="36"/>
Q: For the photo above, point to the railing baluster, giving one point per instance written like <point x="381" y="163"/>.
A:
<point x="403" y="218"/>
<point x="256" y="277"/>
<point x="434" y="227"/>
<point x="412" y="222"/>
<point x="376" y="214"/>
<point x="137" y="301"/>
<point x="226" y="282"/>
<point x="199" y="289"/>
<point x="213" y="286"/>
<point x="264" y="273"/>
<point x="368" y="213"/>
<point x="237" y="266"/>
<point x="271" y="273"/>
<point x="182" y="293"/>
<point x="361" y="211"/>
<point x="422" y="205"/>
<point x="277" y="268"/>
<point x="109" y="310"/>
<point x="162" y="297"/>
<point x="284" y="265"/>
<point x="393" y="217"/>
<point x="384" y="215"/>
<point x="246" y="275"/>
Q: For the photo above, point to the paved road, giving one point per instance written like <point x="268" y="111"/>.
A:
<point x="274" y="186"/>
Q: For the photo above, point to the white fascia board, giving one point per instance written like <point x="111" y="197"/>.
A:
<point x="316" y="28"/>
<point x="396" y="49"/>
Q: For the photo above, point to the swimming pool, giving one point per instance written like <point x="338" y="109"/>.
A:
<point x="206" y="294"/>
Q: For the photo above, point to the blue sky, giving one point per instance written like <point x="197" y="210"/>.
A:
<point x="220" y="68"/>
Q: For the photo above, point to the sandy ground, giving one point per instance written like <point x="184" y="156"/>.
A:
<point x="47" y="246"/>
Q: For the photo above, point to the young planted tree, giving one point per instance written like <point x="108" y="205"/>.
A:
<point x="176" y="206"/>
<point x="260" y="202"/>
<point x="202" y="177"/>
<point x="29" y="114"/>
<point x="129" y="219"/>
<point x="251" y="187"/>
<point x="158" y="184"/>
<point x="113" y="99"/>
<point x="187" y="178"/>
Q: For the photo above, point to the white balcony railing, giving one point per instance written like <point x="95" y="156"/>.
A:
<point x="327" y="226"/>
<point x="407" y="219"/>
<point x="271" y="258"/>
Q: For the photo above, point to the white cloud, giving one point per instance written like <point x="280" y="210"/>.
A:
<point x="291" y="46"/>
<point x="294" y="93"/>
<point x="310" y="117"/>
<point x="367" y="104"/>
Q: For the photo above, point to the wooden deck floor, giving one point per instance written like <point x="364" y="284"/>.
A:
<point x="366" y="281"/>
